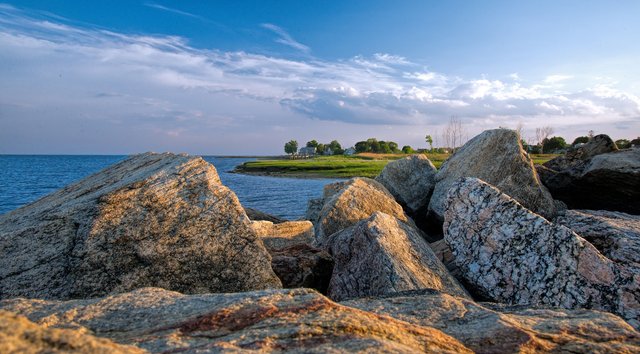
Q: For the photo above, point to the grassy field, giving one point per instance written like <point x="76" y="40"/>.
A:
<point x="361" y="165"/>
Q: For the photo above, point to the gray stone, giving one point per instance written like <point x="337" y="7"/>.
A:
<point x="512" y="255"/>
<point x="151" y="220"/>
<point x="382" y="255"/>
<point x="410" y="180"/>
<point x="495" y="156"/>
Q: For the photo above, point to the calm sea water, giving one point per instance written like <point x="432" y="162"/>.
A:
<point x="25" y="178"/>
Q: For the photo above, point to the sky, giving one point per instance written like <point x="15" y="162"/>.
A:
<point x="244" y="77"/>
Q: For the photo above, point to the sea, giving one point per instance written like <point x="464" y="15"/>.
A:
<point x="26" y="178"/>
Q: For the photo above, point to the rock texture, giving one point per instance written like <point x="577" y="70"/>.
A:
<point x="19" y="335"/>
<point x="298" y="320"/>
<point x="383" y="255"/>
<point x="410" y="180"/>
<point x="596" y="166"/>
<point x="512" y="255"/>
<point x="151" y="220"/>
<point x="353" y="201"/>
<point x="257" y="215"/>
<point x="492" y="328"/>
<point x="284" y="234"/>
<point x="495" y="156"/>
<point x="302" y="266"/>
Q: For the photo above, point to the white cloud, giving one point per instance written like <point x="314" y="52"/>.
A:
<point x="285" y="38"/>
<point x="554" y="79"/>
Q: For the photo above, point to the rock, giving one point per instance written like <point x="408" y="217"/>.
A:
<point x="573" y="177"/>
<point x="302" y="266"/>
<point x="351" y="202"/>
<point x="153" y="219"/>
<point x="495" y="156"/>
<point x="512" y="255"/>
<point x="257" y="215"/>
<point x="493" y="328"/>
<point x="443" y="253"/>
<point x="284" y="234"/>
<point x="19" y="335"/>
<point x="410" y="180"/>
<point x="383" y="255"/>
<point x="297" y="320"/>
<point x="314" y="206"/>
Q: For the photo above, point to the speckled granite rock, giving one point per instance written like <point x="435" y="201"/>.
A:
<point x="495" y="156"/>
<point x="512" y="255"/>
<point x="19" y="335"/>
<point x="151" y="220"/>
<point x="297" y="320"/>
<point x="349" y="202"/>
<point x="284" y="234"/>
<point x="410" y="180"/>
<point x="383" y="255"/>
<point x="493" y="328"/>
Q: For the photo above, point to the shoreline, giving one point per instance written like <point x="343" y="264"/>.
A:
<point x="286" y="174"/>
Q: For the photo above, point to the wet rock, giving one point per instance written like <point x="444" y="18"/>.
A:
<point x="151" y="220"/>
<point x="284" y="234"/>
<point x="494" y="328"/>
<point x="410" y="180"/>
<point x="297" y="320"/>
<point x="383" y="255"/>
<point x="495" y="156"/>
<point x="512" y="255"/>
<point x="257" y="215"/>
<point x="302" y="266"/>
<point x="19" y="335"/>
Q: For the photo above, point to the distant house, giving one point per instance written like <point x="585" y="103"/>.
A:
<point x="307" y="151"/>
<point x="328" y="151"/>
<point x="350" y="151"/>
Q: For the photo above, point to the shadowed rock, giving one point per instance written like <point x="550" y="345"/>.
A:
<point x="302" y="266"/>
<point x="383" y="255"/>
<point x="298" y="320"/>
<point x="512" y="255"/>
<point x="410" y="180"/>
<point x="257" y="215"/>
<point x="495" y="156"/>
<point x="493" y="328"/>
<point x="151" y="220"/>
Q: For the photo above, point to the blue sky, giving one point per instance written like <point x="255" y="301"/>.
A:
<point x="231" y="77"/>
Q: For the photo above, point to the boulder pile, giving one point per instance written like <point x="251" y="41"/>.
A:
<point x="155" y="254"/>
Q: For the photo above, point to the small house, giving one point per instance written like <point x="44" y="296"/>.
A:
<point x="307" y="151"/>
<point x="328" y="151"/>
<point x="350" y="151"/>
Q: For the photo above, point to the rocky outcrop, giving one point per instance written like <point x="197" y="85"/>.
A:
<point x="285" y="234"/>
<point x="257" y="215"/>
<point x="298" y="320"/>
<point x="495" y="156"/>
<point x="314" y="206"/>
<point x="151" y="220"/>
<point x="351" y="202"/>
<point x="302" y="266"/>
<point x="493" y="328"/>
<point x="19" y="335"/>
<point x="596" y="166"/>
<point x="383" y="255"/>
<point x="410" y="180"/>
<point x="512" y="255"/>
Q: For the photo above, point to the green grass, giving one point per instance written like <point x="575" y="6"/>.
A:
<point x="362" y="165"/>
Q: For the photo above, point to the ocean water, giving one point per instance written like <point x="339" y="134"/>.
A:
<point x="26" y="178"/>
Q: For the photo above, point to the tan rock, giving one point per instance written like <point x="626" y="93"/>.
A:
<point x="284" y="234"/>
<point x="410" y="180"/>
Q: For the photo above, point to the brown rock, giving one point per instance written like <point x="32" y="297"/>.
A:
<point x="302" y="266"/>
<point x="153" y="219"/>
<point x="285" y="234"/>
<point x="257" y="215"/>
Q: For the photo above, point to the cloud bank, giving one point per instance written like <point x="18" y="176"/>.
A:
<point x="90" y="85"/>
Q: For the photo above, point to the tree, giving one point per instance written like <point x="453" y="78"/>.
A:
<point x="320" y="149"/>
<point x="429" y="141"/>
<point x="362" y="146"/>
<point x="553" y="144"/>
<point x="454" y="133"/>
<point x="635" y="142"/>
<point x="408" y="149"/>
<point x="312" y="144"/>
<point x="291" y="147"/>
<point x="580" y="140"/>
<point x="591" y="133"/>
<point x="543" y="134"/>
<point x="335" y="147"/>
<point x="393" y="146"/>
<point x="623" y="143"/>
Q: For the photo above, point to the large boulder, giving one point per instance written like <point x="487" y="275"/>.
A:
<point x="410" y="180"/>
<point x="284" y="234"/>
<point x="614" y="175"/>
<point x="151" y="220"/>
<point x="19" y="335"/>
<point x="578" y="157"/>
<point x="512" y="255"/>
<point x="349" y="202"/>
<point x="495" y="156"/>
<point x="382" y="255"/>
<point x="494" y="328"/>
<point x="297" y="320"/>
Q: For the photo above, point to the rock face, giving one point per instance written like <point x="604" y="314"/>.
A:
<point x="298" y="320"/>
<point x="596" y="166"/>
<point x="383" y="255"/>
<point x="284" y="234"/>
<point x="151" y="220"/>
<point x="257" y="215"/>
<point x="19" y="335"/>
<point x="492" y="328"/>
<point x="495" y="156"/>
<point x="302" y="266"/>
<point x="514" y="256"/>
<point x="351" y="202"/>
<point x="410" y="180"/>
